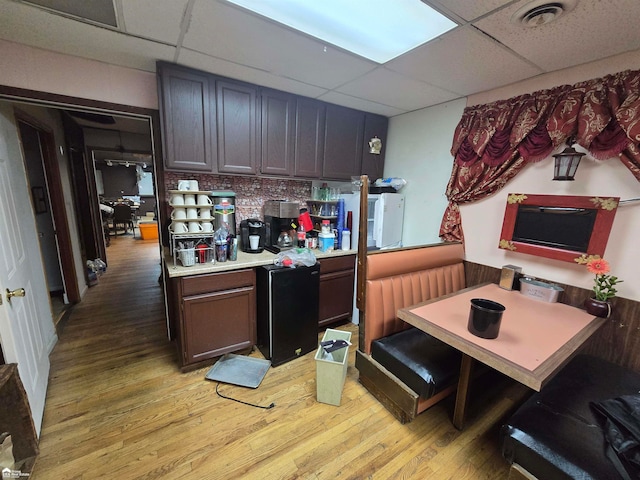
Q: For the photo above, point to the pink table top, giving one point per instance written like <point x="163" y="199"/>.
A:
<point x="532" y="332"/>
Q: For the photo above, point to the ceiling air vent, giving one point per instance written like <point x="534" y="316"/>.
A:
<point x="91" y="11"/>
<point x="541" y="12"/>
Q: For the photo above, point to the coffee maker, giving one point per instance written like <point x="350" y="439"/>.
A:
<point x="249" y="228"/>
<point x="281" y="219"/>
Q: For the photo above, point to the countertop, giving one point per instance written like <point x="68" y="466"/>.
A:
<point x="245" y="260"/>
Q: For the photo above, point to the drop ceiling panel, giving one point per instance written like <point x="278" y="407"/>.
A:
<point x="468" y="10"/>
<point x="593" y="30"/>
<point x="360" y="104"/>
<point x="463" y="61"/>
<point x="406" y="94"/>
<point x="38" y="28"/>
<point x="155" y="19"/>
<point x="229" y="33"/>
<point x="206" y="63"/>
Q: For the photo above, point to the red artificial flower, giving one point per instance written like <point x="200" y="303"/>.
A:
<point x="598" y="266"/>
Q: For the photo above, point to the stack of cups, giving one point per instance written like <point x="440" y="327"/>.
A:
<point x="340" y="221"/>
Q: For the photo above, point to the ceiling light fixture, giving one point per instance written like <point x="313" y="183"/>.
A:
<point x="379" y="33"/>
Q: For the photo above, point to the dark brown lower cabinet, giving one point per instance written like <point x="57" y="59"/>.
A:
<point x="217" y="314"/>
<point x="337" y="277"/>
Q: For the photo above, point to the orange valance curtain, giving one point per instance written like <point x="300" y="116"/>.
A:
<point x="493" y="142"/>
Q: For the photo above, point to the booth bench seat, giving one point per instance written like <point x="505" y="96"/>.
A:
<point x="556" y="434"/>
<point x="406" y="369"/>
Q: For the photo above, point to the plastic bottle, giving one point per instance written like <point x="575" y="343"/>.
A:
<point x="346" y="239"/>
<point x="301" y="236"/>
<point x="326" y="227"/>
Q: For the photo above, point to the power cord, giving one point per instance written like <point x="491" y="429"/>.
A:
<point x="240" y="401"/>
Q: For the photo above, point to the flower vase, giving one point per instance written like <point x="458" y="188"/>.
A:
<point x="599" y="308"/>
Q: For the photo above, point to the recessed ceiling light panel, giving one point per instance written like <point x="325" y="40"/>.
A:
<point x="375" y="29"/>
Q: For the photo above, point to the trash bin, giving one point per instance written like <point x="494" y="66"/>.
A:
<point x="331" y="371"/>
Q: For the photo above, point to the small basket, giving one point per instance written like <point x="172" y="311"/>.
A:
<point x="188" y="257"/>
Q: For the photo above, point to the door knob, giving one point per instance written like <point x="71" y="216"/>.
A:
<point x="18" y="292"/>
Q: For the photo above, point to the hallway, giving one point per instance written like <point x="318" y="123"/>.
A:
<point x="110" y="345"/>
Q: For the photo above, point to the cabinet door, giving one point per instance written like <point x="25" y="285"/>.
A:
<point x="278" y="126"/>
<point x="343" y="143"/>
<point x="237" y="127"/>
<point x="373" y="164"/>
<point x="309" y="138"/>
<point x="218" y="323"/>
<point x="337" y="277"/>
<point x="187" y="111"/>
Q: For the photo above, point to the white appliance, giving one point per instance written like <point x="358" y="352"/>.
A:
<point x="384" y="219"/>
<point x="385" y="216"/>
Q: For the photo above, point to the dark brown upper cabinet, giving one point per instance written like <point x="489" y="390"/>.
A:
<point x="343" y="142"/>
<point x="372" y="163"/>
<point x="238" y="130"/>
<point x="309" y="138"/>
<point x="278" y="127"/>
<point x="213" y="124"/>
<point x="187" y="112"/>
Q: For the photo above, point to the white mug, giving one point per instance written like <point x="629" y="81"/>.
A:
<point x="207" y="227"/>
<point x="254" y="241"/>
<point x="193" y="185"/>
<point x="184" y="185"/>
<point x="178" y="227"/>
<point x="192" y="213"/>
<point x="195" y="227"/>
<point x="189" y="199"/>
<point x="177" y="199"/>
<point x="178" y="214"/>
<point x="204" y="200"/>
<point x="205" y="213"/>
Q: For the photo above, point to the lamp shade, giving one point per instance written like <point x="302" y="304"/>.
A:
<point x="566" y="164"/>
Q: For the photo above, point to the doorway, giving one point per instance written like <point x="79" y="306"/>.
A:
<point x="32" y="149"/>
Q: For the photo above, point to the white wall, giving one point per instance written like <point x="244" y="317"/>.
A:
<point x="42" y="70"/>
<point x="482" y="223"/>
<point x="419" y="145"/>
<point x="418" y="150"/>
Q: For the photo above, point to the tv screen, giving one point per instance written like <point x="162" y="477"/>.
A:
<point x="557" y="227"/>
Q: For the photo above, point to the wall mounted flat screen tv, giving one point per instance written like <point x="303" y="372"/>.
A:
<point x="557" y="226"/>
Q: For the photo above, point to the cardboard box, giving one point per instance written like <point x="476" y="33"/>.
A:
<point x="331" y="372"/>
<point x="148" y="230"/>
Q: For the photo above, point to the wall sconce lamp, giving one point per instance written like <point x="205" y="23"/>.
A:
<point x="566" y="162"/>
<point x="109" y="163"/>
<point x="375" y="145"/>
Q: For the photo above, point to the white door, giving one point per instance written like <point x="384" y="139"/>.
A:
<point x="27" y="334"/>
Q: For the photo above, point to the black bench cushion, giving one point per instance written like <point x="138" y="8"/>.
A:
<point x="423" y="363"/>
<point x="555" y="434"/>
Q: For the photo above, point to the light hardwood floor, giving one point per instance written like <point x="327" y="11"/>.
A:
<point x="117" y="407"/>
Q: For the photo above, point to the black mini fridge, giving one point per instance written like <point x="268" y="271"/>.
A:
<point x="287" y="311"/>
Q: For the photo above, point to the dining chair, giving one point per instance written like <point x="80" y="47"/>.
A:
<point x="122" y="215"/>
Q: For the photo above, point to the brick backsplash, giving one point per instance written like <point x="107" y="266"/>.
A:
<point x="251" y="192"/>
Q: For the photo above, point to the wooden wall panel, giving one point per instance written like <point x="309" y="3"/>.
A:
<point x="617" y="341"/>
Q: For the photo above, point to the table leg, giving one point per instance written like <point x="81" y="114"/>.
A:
<point x="463" y="391"/>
